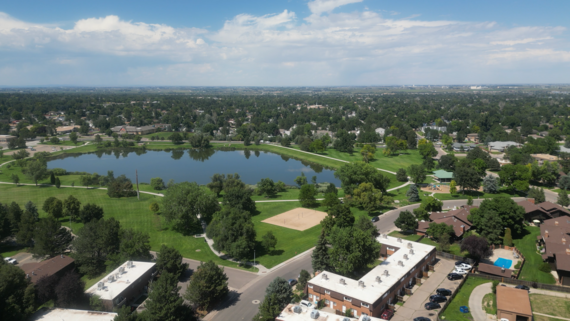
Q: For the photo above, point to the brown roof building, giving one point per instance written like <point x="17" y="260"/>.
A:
<point x="57" y="265"/>
<point x="513" y="304"/>
<point x="456" y="218"/>
<point x="554" y="210"/>
<point x="533" y="211"/>
<point x="494" y="270"/>
<point x="555" y="236"/>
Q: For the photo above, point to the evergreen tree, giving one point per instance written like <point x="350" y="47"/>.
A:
<point x="508" y="238"/>
<point x="452" y="187"/>
<point x="269" y="241"/>
<point x="57" y="182"/>
<point x="490" y="184"/>
<point x="563" y="198"/>
<point x="269" y="309"/>
<point x="164" y="302"/>
<point x="470" y="200"/>
<point x="343" y="216"/>
<point x="208" y="285"/>
<point x="26" y="228"/>
<point x="304" y="277"/>
<point x="52" y="178"/>
<point x="169" y="260"/>
<point x="124" y="314"/>
<point x="282" y="290"/>
<point x="537" y="194"/>
<point x="406" y="221"/>
<point x="320" y="257"/>
<point x="413" y="193"/>
<point x="307" y="195"/>
<point x="71" y="207"/>
<point x="401" y="175"/>
<point x="50" y="238"/>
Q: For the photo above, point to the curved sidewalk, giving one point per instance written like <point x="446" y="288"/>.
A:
<point x="476" y="301"/>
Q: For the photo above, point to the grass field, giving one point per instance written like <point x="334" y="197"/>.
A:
<point x="462" y="298"/>
<point x="490" y="303"/>
<point x="62" y="143"/>
<point x="550" y="305"/>
<point x="129" y="211"/>
<point x="159" y="134"/>
<point x="533" y="260"/>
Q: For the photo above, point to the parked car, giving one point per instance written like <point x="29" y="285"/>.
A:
<point x="292" y="282"/>
<point x="306" y="304"/>
<point x="463" y="265"/>
<point x="444" y="292"/>
<point x="432" y="305"/>
<point x="437" y="298"/>
<point x="422" y="319"/>
<point x="460" y="271"/>
<point x="522" y="287"/>
<point x="454" y="276"/>
<point x="387" y="314"/>
<point x="10" y="260"/>
<point x="375" y="219"/>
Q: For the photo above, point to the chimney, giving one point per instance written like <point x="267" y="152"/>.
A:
<point x="567" y="251"/>
<point x="531" y="200"/>
<point x="556" y="223"/>
<point x="546" y="233"/>
<point x="463" y="228"/>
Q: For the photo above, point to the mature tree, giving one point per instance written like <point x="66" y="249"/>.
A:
<point x="154" y="207"/>
<point x="488" y="224"/>
<point x="365" y="224"/>
<point x="199" y="141"/>
<point x="515" y="177"/>
<point x="269" y="241"/>
<point x="282" y="290"/>
<point x="27" y="227"/>
<point x="169" y="260"/>
<point x="439" y="231"/>
<point x="317" y="146"/>
<point x="537" y="194"/>
<point x="15" y="179"/>
<point x="447" y="162"/>
<point x="17" y="295"/>
<point x="563" y="198"/>
<point x="490" y="184"/>
<point x="95" y="243"/>
<point x="344" y="141"/>
<point x="286" y="142"/>
<point x="208" y="285"/>
<point x="164" y="302"/>
<point x="98" y="139"/>
<point x="480" y="166"/>
<point x="301" y="180"/>
<point x="176" y="138"/>
<point x="217" y="183"/>
<point x="452" y="187"/>
<point x="280" y="187"/>
<point x="266" y="186"/>
<point x="369" y="198"/>
<point x="57" y="182"/>
<point x="331" y="188"/>
<point x="413" y="194"/>
<point x="431" y="204"/>
<point x="124" y="314"/>
<point x="393" y="145"/>
<point x="53" y="207"/>
<point x="352" y="249"/>
<point x="401" y="175"/>
<point x="45" y="288"/>
<point x="14" y="216"/>
<point x="269" y="309"/>
<point x="135" y="246"/>
<point x="343" y="216"/>
<point x="330" y="200"/>
<point x="307" y="195"/>
<point x="52" y="178"/>
<point x="564" y="182"/>
<point x="233" y="232"/>
<point x="157" y="183"/>
<point x="320" y="256"/>
<point x="36" y="170"/>
<point x="406" y="221"/>
<point x="508" y="238"/>
<point x="478" y="247"/>
<point x="510" y="213"/>
<point x="353" y="174"/>
<point x="69" y="290"/>
<point x="467" y="178"/>
<point x="183" y="202"/>
<point x="417" y="173"/>
<point x="21" y="154"/>
<point x="120" y="187"/>
<point x="73" y="138"/>
<point x="71" y="207"/>
<point x="421" y="214"/>
<point x="50" y="238"/>
<point x="91" y="212"/>
<point x="239" y="197"/>
<point x="368" y="152"/>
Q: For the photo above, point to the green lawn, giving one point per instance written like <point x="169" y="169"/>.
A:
<point x="407" y="237"/>
<point x="62" y="143"/>
<point x="391" y="163"/>
<point x="474" y="194"/>
<point x="160" y="134"/>
<point x="490" y="303"/>
<point x="533" y="260"/>
<point x="550" y="305"/>
<point x="129" y="211"/>
<point x="462" y="298"/>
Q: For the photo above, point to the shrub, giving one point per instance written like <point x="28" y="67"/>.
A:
<point x="545" y="267"/>
<point x="494" y="287"/>
<point x="321" y="304"/>
<point x="348" y="313"/>
<point x="518" y="265"/>
<point x="59" y="171"/>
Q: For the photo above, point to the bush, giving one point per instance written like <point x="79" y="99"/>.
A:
<point x="518" y="265"/>
<point x="321" y="304"/>
<point x="494" y="287"/>
<point x="349" y="313"/>
<point x="545" y="267"/>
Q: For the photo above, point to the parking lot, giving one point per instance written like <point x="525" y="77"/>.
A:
<point x="414" y="305"/>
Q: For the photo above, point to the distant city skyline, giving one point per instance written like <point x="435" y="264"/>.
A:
<point x="283" y="43"/>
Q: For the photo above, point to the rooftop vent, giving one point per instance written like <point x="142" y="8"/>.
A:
<point x="361" y="283"/>
<point x="411" y="252"/>
<point x="341" y="281"/>
<point x="405" y="256"/>
<point x="297" y="309"/>
<point x="314" y="314"/>
<point x="366" y="318"/>
<point x="385" y="236"/>
<point x="386" y="272"/>
<point x="121" y="270"/>
<point x="111" y="278"/>
<point x="345" y="319"/>
<point x="399" y="240"/>
<point x="378" y="279"/>
<point x="400" y="263"/>
<point x="100" y="286"/>
<point x="324" y="276"/>
<point x="410" y="245"/>
<point x="129" y="264"/>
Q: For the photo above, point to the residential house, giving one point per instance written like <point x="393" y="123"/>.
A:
<point x="473" y="138"/>
<point x="380" y="131"/>
<point x="494" y="270"/>
<point x="456" y="218"/>
<point x="466" y="147"/>
<point x="555" y="237"/>
<point x="66" y="129"/>
<point x="541" y="158"/>
<point x="533" y="212"/>
<point x="132" y="130"/>
<point x="513" y="304"/>
<point x="57" y="265"/>
<point x="502" y="146"/>
<point x="555" y="210"/>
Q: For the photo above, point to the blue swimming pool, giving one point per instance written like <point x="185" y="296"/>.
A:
<point x="504" y="263"/>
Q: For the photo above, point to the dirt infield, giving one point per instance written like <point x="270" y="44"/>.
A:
<point x="297" y="219"/>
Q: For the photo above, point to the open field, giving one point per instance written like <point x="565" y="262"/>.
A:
<point x="299" y="218"/>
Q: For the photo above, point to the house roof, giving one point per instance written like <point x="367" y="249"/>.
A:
<point x="443" y="174"/>
<point x="550" y="207"/>
<point x="555" y="233"/>
<point x="36" y="271"/>
<point x="513" y="300"/>
<point x="563" y="261"/>
<point x="58" y="314"/>
<point x="530" y="207"/>
<point x="494" y="270"/>
<point x="289" y="314"/>
<point x="112" y="289"/>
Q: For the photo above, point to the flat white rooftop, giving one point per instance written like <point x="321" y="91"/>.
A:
<point x="288" y="314"/>
<point x="122" y="280"/>
<point x="72" y="315"/>
<point x="380" y="279"/>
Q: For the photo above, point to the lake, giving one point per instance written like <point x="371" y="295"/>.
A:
<point x="194" y="165"/>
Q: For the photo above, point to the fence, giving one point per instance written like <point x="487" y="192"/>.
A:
<point x="450" y="299"/>
<point x="454" y="257"/>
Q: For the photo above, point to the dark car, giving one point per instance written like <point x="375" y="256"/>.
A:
<point x="422" y="319"/>
<point x="292" y="282"/>
<point x="444" y="292"/>
<point x="522" y="287"/>
<point x="375" y="219"/>
<point x="387" y="314"/>
<point x="432" y="305"/>
<point x="454" y="276"/>
<point x="437" y="298"/>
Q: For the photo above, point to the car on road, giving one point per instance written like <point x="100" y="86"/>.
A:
<point x="463" y="265"/>
<point x="306" y="304"/>
<point x="522" y="287"/>
<point x="432" y="305"/>
<point x="375" y="219"/>
<point x="443" y="292"/>
<point x="292" y="282"/>
<point x="387" y="314"/>
<point x="437" y="298"/>
<point x="10" y="260"/>
<point x="454" y="276"/>
<point x="422" y="319"/>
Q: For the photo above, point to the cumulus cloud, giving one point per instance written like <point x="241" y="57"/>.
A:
<point x="355" y="48"/>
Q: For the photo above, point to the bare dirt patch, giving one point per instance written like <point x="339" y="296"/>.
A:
<point x="297" y="219"/>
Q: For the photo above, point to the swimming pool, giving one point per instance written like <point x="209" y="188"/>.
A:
<point x="504" y="263"/>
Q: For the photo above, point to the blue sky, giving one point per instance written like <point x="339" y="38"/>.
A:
<point x="283" y="43"/>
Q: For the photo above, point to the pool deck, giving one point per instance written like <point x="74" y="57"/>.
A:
<point x="501" y="253"/>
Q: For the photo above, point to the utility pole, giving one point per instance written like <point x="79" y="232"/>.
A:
<point x="138" y="192"/>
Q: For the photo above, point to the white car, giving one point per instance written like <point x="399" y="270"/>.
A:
<point x="463" y="266"/>
<point x="306" y="304"/>
<point x="460" y="271"/>
<point x="10" y="260"/>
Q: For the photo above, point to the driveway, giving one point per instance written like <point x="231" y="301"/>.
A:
<point x="25" y="258"/>
<point x="414" y="305"/>
<point x="476" y="301"/>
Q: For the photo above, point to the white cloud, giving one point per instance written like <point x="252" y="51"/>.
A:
<point x="318" y="7"/>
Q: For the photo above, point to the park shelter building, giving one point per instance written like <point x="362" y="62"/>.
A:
<point x="58" y="314"/>
<point x="443" y="176"/>
<point x="513" y="304"/>
<point x="124" y="284"/>
<point x="57" y="265"/>
<point x="380" y="288"/>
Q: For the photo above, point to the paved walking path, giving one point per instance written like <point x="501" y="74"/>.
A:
<point x="476" y="301"/>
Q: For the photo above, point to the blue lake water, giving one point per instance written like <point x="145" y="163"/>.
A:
<point x="195" y="165"/>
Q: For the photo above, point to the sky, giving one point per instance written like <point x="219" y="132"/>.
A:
<point x="283" y="42"/>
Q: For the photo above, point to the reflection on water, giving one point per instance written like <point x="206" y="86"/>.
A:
<point x="201" y="154"/>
